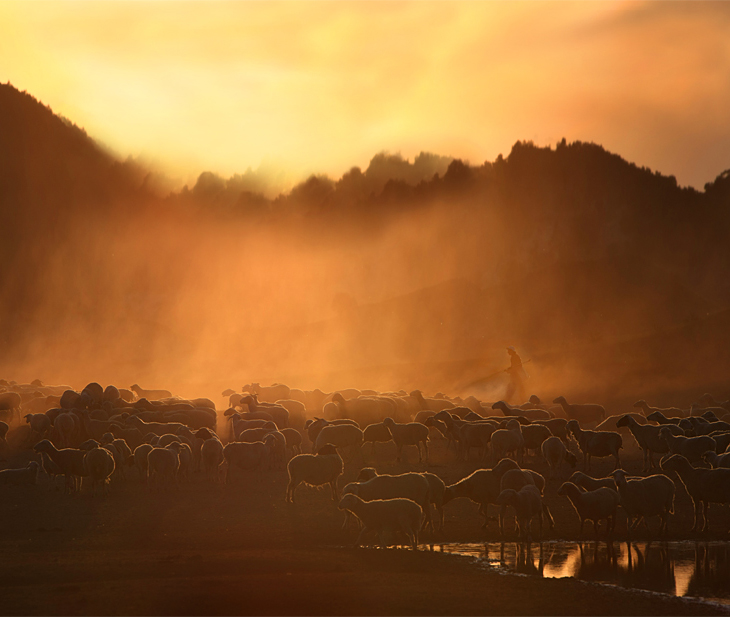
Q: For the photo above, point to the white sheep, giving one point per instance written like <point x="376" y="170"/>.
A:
<point x="139" y="458"/>
<point x="527" y="503"/>
<point x="555" y="452"/>
<point x="386" y="517"/>
<point x="276" y="442"/>
<point x="342" y="436"/>
<point x="595" y="443"/>
<point x="691" y="448"/>
<point x="410" y="434"/>
<point x="585" y="413"/>
<point x="40" y="424"/>
<point x="325" y="467"/>
<point x="668" y="412"/>
<point x="24" y="475"/>
<point x="162" y="466"/>
<point x="376" y="433"/>
<point x="150" y="395"/>
<point x="508" y="441"/>
<point x="595" y="506"/>
<point x="99" y="466"/>
<point x="704" y="486"/>
<point x="70" y="460"/>
<point x="185" y="456"/>
<point x="644" y="497"/>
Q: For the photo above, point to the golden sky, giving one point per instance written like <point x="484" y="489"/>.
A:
<point x="322" y="86"/>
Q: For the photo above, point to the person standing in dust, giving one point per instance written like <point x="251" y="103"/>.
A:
<point x="517" y="376"/>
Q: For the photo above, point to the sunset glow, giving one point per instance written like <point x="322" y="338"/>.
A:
<point x="323" y="86"/>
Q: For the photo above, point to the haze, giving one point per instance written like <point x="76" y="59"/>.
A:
<point x="294" y="88"/>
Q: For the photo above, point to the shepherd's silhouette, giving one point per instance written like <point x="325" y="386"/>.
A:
<point x="517" y="376"/>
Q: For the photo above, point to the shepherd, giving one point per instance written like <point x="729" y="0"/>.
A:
<point x="517" y="376"/>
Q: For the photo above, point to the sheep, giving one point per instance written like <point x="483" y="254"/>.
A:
<point x="534" y="436"/>
<point x="166" y="440"/>
<point x="66" y="428"/>
<point x="558" y="427"/>
<point x="185" y="456"/>
<point x="268" y="394"/>
<point x="515" y="479"/>
<point x="276" y="442"/>
<point x="325" y="467"/>
<point x="530" y="414"/>
<point x="591" y="484"/>
<point x="585" y="413"/>
<point x="150" y="395"/>
<point x="691" y="448"/>
<point x="593" y="443"/>
<point x="644" y="497"/>
<point x="24" y="475"/>
<point x="10" y="401"/>
<point x="475" y="435"/>
<point x="51" y="469"/>
<point x="660" y="418"/>
<point x="297" y="411"/>
<point x="293" y="440"/>
<point x="507" y="441"/>
<point x="555" y="452"/>
<point x="411" y="434"/>
<point x="139" y="459"/>
<point x="482" y="486"/>
<point x="413" y="486"/>
<point x="595" y="506"/>
<point x="423" y="415"/>
<point x="669" y="412"/>
<point x="385" y="517"/>
<point x="431" y="404"/>
<point x="158" y="428"/>
<point x="211" y="454"/>
<point x="40" y="424"/>
<point x="70" y="460"/>
<point x="647" y="437"/>
<point x="367" y="410"/>
<point x="162" y="465"/>
<point x="99" y="465"/>
<point x="342" y="436"/>
<point x="245" y="455"/>
<point x="705" y="428"/>
<point x="704" y="486"/>
<point x="376" y="433"/>
<point x="278" y="413"/>
<point x="313" y="427"/>
<point x="715" y="460"/>
<point x="255" y="434"/>
<point x="527" y="503"/>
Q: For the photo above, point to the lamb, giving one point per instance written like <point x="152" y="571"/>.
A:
<point x="648" y="438"/>
<point x="555" y="453"/>
<point x="482" y="486"/>
<point x="25" y="475"/>
<point x="704" y="486"/>
<point x="595" y="506"/>
<point x="99" y="465"/>
<point x="245" y="455"/>
<point x="508" y="441"/>
<point x="411" y="434"/>
<point x="325" y="467"/>
<point x="584" y="413"/>
<point x="644" y="497"/>
<point x="276" y="442"/>
<point x="715" y="460"/>
<point x="515" y="479"/>
<point x="150" y="395"/>
<point x="70" y="460"/>
<point x="211" y="453"/>
<point x="385" y="517"/>
<point x="162" y="465"/>
<point x="342" y="436"/>
<point x="668" y="412"/>
<point x="413" y="486"/>
<point x="527" y="503"/>
<point x="593" y="443"/>
<point x="691" y="448"/>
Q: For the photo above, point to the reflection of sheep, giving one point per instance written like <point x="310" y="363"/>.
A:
<point x="593" y="506"/>
<point x="593" y="443"/>
<point x="527" y="503"/>
<point x="584" y="413"/>
<point x="25" y="475"/>
<point x="325" y="467"/>
<point x="643" y="497"/>
<point x="385" y="517"/>
<point x="150" y="395"/>
<point x="555" y="453"/>
<point x="705" y="486"/>
<point x="411" y="434"/>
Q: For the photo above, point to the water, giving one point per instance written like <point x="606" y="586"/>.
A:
<point x="689" y="569"/>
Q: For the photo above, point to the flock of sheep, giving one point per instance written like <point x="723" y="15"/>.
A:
<point x="99" y="433"/>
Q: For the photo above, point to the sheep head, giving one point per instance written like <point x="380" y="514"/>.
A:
<point x="367" y="473"/>
<point x="560" y="400"/>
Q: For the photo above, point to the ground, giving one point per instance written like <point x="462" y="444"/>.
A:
<point x="240" y="549"/>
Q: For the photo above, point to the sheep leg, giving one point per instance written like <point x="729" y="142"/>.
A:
<point x="548" y="514"/>
<point x="618" y="462"/>
<point x="333" y="486"/>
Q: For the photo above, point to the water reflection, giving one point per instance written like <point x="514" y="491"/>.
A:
<point x="696" y="569"/>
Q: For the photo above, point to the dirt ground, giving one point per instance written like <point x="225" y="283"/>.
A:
<point x="215" y="549"/>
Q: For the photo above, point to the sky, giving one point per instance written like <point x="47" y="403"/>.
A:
<point x="309" y="87"/>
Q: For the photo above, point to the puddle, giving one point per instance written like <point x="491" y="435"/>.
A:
<point x="689" y="569"/>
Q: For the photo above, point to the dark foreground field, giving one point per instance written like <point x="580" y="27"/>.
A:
<point x="239" y="549"/>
